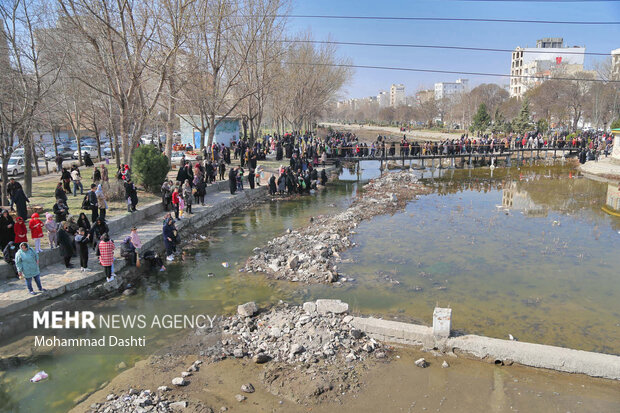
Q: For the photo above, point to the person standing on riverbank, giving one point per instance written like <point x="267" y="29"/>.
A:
<point x="175" y="202"/>
<point x="7" y="230"/>
<point x="27" y="264"/>
<point x="65" y="243"/>
<point x="82" y="239"/>
<point x="232" y="180"/>
<point x="36" y="231"/>
<point x="106" y="256"/>
<point x="52" y="227"/>
<point x="92" y="203"/>
<point x="21" y="233"/>
<point x="169" y="235"/>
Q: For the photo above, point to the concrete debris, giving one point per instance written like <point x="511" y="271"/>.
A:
<point x="179" y="381"/>
<point x="311" y="254"/>
<point x="295" y="334"/>
<point x="247" y="388"/>
<point x="247" y="309"/>
<point x="421" y="363"/>
<point x="139" y="401"/>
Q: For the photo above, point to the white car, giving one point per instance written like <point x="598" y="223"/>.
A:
<point x="91" y="150"/>
<point x="15" y="166"/>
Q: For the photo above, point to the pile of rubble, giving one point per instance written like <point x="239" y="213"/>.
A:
<point x="311" y="254"/>
<point x="316" y="331"/>
<point x="141" y="401"/>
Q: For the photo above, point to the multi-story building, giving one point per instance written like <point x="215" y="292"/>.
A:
<point x="531" y="66"/>
<point x="447" y="89"/>
<point x="397" y="95"/>
<point x="383" y="99"/>
<point x="615" y="64"/>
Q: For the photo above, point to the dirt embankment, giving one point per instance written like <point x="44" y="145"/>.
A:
<point x="311" y="254"/>
<point x="300" y="354"/>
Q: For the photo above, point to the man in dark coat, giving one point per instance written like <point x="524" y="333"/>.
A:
<point x="232" y="180"/>
<point x="272" y="185"/>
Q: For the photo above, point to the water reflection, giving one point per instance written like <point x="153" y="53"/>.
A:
<point x="612" y="203"/>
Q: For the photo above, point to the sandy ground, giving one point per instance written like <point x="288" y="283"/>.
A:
<point x="394" y="386"/>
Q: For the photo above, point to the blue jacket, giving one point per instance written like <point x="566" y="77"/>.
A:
<point x="26" y="262"/>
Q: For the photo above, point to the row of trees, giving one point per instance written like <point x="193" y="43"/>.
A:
<point x="125" y="66"/>
<point x="565" y="103"/>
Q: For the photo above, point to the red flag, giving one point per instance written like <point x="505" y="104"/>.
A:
<point x="558" y="60"/>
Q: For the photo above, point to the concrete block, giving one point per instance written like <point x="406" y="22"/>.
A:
<point x="441" y="321"/>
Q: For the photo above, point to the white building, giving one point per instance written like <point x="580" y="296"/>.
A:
<point x="615" y="64"/>
<point x="531" y="66"/>
<point x="447" y="89"/>
<point x="383" y="99"/>
<point x="397" y="95"/>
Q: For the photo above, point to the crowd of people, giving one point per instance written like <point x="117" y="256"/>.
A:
<point x="592" y="145"/>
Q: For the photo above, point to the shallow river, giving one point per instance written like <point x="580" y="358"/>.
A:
<point x="528" y="252"/>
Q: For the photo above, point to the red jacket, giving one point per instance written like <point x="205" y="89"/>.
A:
<point x="36" y="228"/>
<point x="106" y="253"/>
<point x="175" y="198"/>
<point x="21" y="233"/>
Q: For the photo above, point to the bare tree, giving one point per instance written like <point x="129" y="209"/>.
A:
<point x="24" y="79"/>
<point x="120" y="34"/>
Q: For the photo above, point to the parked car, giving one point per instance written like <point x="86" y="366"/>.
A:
<point x="91" y="150"/>
<point x="17" y="152"/>
<point x="15" y="166"/>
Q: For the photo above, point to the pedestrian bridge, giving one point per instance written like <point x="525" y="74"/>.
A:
<point x="471" y="159"/>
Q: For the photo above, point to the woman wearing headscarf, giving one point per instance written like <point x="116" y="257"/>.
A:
<point x="7" y="233"/>
<point x="131" y="195"/>
<point x="60" y="193"/>
<point x="97" y="230"/>
<point x="36" y="231"/>
<point x="20" y="199"/>
<point x="52" y="229"/>
<point x="169" y="235"/>
<point x="27" y="264"/>
<point x="21" y="233"/>
<point x="83" y="222"/>
<point x="66" y="179"/>
<point x="65" y="244"/>
<point x="188" y="196"/>
<point x="101" y="202"/>
<point x="232" y="180"/>
<point x="128" y="251"/>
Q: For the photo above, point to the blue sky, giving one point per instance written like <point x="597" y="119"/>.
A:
<point x="367" y="82"/>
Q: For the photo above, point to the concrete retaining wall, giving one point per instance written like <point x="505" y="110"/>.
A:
<point x="528" y="354"/>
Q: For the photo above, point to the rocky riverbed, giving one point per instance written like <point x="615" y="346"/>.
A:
<point x="312" y="254"/>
